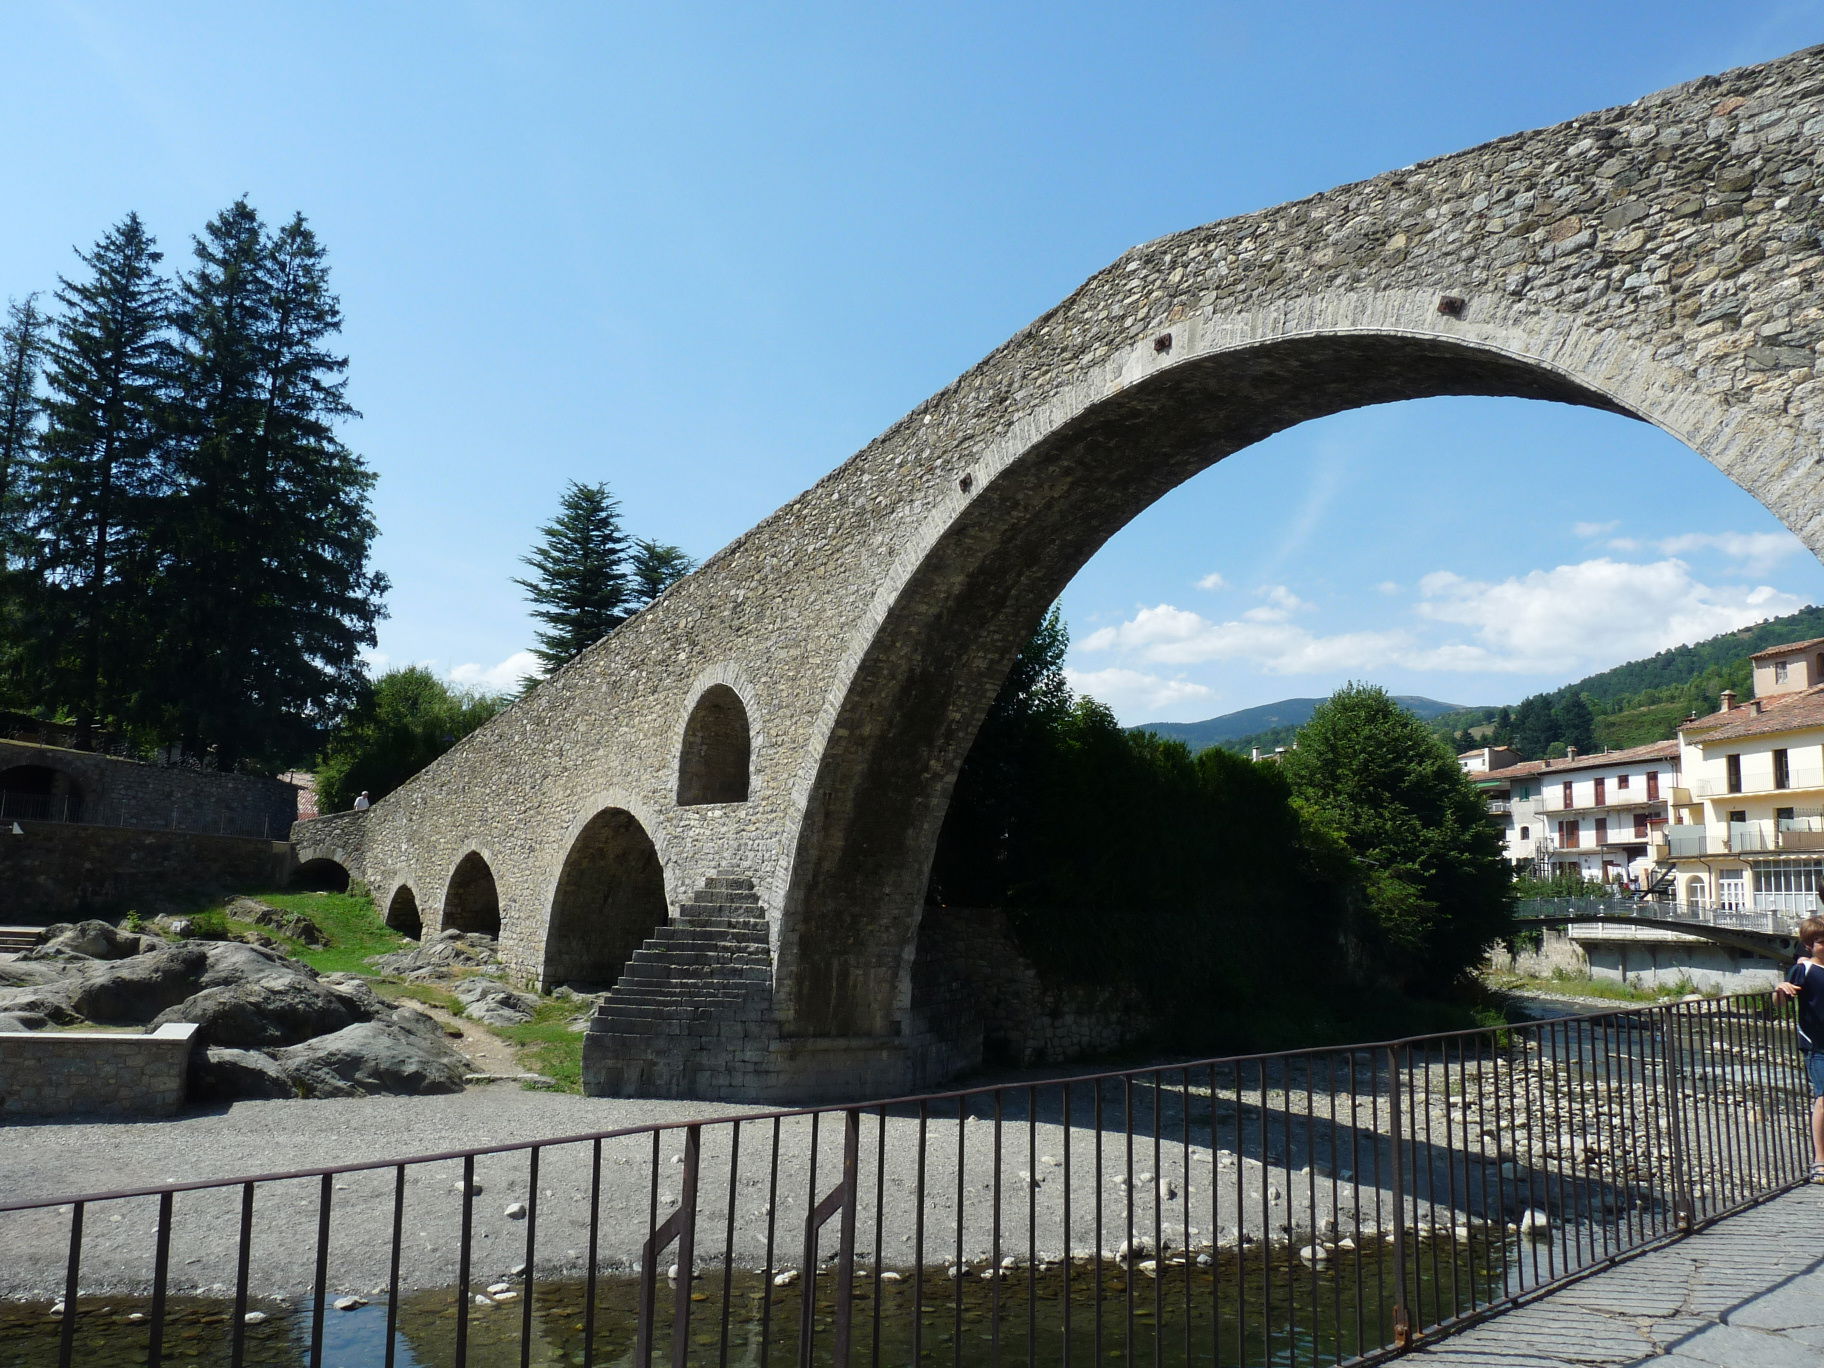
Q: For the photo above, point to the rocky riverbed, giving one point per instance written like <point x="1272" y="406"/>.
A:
<point x="1548" y="1131"/>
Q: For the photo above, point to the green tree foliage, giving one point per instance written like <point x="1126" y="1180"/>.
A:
<point x="84" y="633"/>
<point x="1535" y="726"/>
<point x="404" y="720"/>
<point x="581" y="584"/>
<point x="266" y="594"/>
<point x="1435" y="884"/>
<point x="655" y="567"/>
<point x="1576" y="723"/>
<point x="21" y="405"/>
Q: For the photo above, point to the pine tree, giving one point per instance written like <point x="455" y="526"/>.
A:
<point x="268" y="598"/>
<point x="83" y="629"/>
<point x="655" y="568"/>
<point x="1535" y="726"/>
<point x="1576" y="723"/>
<point x="21" y="406"/>
<point x="581" y="587"/>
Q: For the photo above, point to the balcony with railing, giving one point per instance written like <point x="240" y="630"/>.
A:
<point x="1801" y="833"/>
<point x="1798" y="779"/>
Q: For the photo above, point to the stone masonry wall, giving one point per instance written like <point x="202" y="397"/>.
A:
<point x="117" y="792"/>
<point x="58" y="871"/>
<point x="990" y="1004"/>
<point x="1661" y="259"/>
<point x="93" y="1073"/>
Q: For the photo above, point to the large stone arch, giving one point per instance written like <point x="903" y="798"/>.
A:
<point x="1661" y="260"/>
<point x="609" y="896"/>
<point x="944" y="624"/>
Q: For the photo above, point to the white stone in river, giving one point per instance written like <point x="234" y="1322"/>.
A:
<point x="955" y="1270"/>
<point x="1009" y="1262"/>
<point x="785" y="1278"/>
<point x="506" y="1296"/>
<point x="136" y="1316"/>
<point x="495" y="1289"/>
<point x="890" y="1276"/>
<point x="1535" y="1225"/>
<point x="480" y="1300"/>
<point x="253" y="1318"/>
<point x="348" y="1303"/>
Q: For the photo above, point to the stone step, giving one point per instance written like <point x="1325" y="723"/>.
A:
<point x="725" y="897"/>
<point x="692" y="934"/>
<point x="734" y="882"/>
<point x="16" y="940"/>
<point x="700" y="956"/>
<point x="658" y="994"/>
<point x="750" y="932"/>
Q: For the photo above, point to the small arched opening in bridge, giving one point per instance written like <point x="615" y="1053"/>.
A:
<point x="714" y="760"/>
<point x="402" y="913"/>
<point x="39" y="793"/>
<point x="990" y="559"/>
<point x="472" y="903"/>
<point x="610" y="896"/>
<point x="321" y="875"/>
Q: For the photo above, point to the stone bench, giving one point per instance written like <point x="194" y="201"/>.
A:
<point x="94" y="1073"/>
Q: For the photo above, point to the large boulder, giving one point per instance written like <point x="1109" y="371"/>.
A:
<point x="258" y="1014"/>
<point x="293" y="924"/>
<point x="50" y="1001"/>
<point x="131" y="992"/>
<point x="363" y="1001"/>
<point x="233" y="962"/>
<point x="23" y="1021"/>
<point x="440" y="956"/>
<point x="372" y="1057"/>
<point x="218" y="1075"/>
<point x="90" y="940"/>
<point x="494" y="1004"/>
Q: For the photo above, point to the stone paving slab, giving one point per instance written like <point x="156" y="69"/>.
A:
<point x="1746" y="1293"/>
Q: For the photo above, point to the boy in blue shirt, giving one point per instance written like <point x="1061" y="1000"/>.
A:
<point x="1805" y="985"/>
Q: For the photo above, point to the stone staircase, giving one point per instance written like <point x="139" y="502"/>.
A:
<point x="16" y="940"/>
<point x="699" y="984"/>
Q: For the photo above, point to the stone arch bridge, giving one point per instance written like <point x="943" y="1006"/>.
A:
<point x="746" y="780"/>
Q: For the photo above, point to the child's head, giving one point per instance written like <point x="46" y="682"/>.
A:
<point x="1811" y="931"/>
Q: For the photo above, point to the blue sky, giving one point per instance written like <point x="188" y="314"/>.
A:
<point x="705" y="252"/>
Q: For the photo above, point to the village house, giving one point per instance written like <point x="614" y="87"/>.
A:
<point x="1748" y="819"/>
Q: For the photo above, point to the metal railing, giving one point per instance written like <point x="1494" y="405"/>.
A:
<point x="1770" y="914"/>
<point x="1311" y="1207"/>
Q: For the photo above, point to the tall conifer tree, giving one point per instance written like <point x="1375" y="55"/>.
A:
<point x="83" y="629"/>
<point x="581" y="587"/>
<point x="268" y="598"/>
<point x="21" y="406"/>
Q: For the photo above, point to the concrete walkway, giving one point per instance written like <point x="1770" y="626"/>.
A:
<point x="1745" y="1293"/>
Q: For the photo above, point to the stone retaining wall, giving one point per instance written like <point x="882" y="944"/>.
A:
<point x="78" y="1073"/>
<point x="104" y="789"/>
<point x="62" y="871"/>
<point x="989" y="1004"/>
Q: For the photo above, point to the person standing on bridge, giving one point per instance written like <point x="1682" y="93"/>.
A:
<point x="1805" y="986"/>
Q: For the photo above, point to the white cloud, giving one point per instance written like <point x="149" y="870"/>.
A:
<point x="1594" y="529"/>
<point x="1388" y="586"/>
<point x="1166" y="635"/>
<point x="1213" y="580"/>
<point x="1130" y="692"/>
<point x="1626" y="544"/>
<point x="1758" y="551"/>
<point x="502" y="678"/>
<point x="1597" y="611"/>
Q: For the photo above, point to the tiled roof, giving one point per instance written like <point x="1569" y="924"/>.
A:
<point x="1524" y="770"/>
<point x="1789" y="646"/>
<point x="1782" y="712"/>
<point x="1658" y="750"/>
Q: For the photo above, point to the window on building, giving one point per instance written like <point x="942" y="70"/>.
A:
<point x="1732" y="769"/>
<point x="1738" y="814"/>
<point x="1782" y="770"/>
<point x="1567" y="795"/>
<point x="1621" y="781"/>
<point x="1731" y="890"/>
<point x="1526" y="833"/>
<point x="1602" y="831"/>
<point x="1640" y="826"/>
<point x="1782" y="814"/>
<point x="1601" y="791"/>
<point x="1652" y="786"/>
<point x="1568" y="833"/>
<point x="1779" y="672"/>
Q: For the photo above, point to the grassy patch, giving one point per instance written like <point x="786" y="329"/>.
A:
<point x="353" y="929"/>
<point x="1609" y="990"/>
<point x="410" y="990"/>
<point x="550" y="1045"/>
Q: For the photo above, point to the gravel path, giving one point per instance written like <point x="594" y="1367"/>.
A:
<point x="1191" y="1173"/>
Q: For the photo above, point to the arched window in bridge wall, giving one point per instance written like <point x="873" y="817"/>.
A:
<point x="402" y="913"/>
<point x="713" y="766"/>
<point x="610" y="897"/>
<point x="472" y="903"/>
<point x="38" y="793"/>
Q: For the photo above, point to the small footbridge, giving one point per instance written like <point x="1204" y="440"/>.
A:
<point x="1772" y="932"/>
